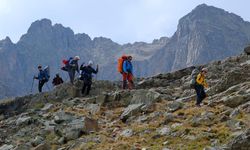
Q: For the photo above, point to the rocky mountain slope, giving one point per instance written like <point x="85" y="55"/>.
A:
<point x="158" y="114"/>
<point x="205" y="34"/>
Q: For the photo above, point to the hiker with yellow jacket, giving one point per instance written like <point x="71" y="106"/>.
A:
<point x="200" y="85"/>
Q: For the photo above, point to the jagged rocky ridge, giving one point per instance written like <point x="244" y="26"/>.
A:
<point x="158" y="114"/>
<point x="205" y="34"/>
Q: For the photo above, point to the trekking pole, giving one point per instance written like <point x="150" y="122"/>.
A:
<point x="47" y="86"/>
<point x="31" y="90"/>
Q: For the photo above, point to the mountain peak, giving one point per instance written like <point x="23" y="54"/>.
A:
<point x="6" y="41"/>
<point x="43" y="23"/>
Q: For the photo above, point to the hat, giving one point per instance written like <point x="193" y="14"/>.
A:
<point x="204" y="69"/>
<point x="90" y="63"/>
<point x="77" y="58"/>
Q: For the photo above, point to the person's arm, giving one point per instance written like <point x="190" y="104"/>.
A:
<point x="95" y="71"/>
<point x="124" y="67"/>
<point x="199" y="79"/>
<point x="37" y="77"/>
<point x="132" y="69"/>
<point x="205" y="84"/>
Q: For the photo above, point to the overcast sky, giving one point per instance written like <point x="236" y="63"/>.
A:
<point x="121" y="20"/>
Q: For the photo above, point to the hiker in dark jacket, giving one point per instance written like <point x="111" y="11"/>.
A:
<point x="57" y="80"/>
<point x="86" y="76"/>
<point x="128" y="73"/>
<point x="42" y="77"/>
<point x="72" y="68"/>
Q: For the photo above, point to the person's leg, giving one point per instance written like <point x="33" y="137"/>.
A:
<point x="203" y="94"/>
<point x="88" y="88"/>
<point x="198" y="94"/>
<point x="84" y="87"/>
<point x="40" y="86"/>
<point x="130" y="81"/>
<point x="41" y="83"/>
<point x="124" y="80"/>
<point x="71" y="75"/>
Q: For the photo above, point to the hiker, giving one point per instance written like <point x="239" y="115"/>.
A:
<point x="57" y="80"/>
<point x="127" y="73"/>
<point x="72" y="68"/>
<point x="86" y="76"/>
<point x="43" y="77"/>
<point x="200" y="85"/>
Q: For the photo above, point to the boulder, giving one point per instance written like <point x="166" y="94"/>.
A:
<point x="6" y="147"/>
<point x="145" y="96"/>
<point x="47" y="107"/>
<point x="38" y="140"/>
<point x="130" y="111"/>
<point x="236" y="100"/>
<point x="241" y="142"/>
<point x="127" y="133"/>
<point x="76" y="128"/>
<point x="174" y="106"/>
<point x="61" y="116"/>
<point x="164" y="131"/>
<point x="25" y="120"/>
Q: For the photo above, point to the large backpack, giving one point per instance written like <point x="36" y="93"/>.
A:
<point x="120" y="63"/>
<point x="66" y="63"/>
<point x="194" y="75"/>
<point x="47" y="73"/>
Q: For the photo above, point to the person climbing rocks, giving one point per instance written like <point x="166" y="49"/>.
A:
<point x="72" y="68"/>
<point x="200" y="85"/>
<point x="57" y="80"/>
<point x="127" y="74"/>
<point x="42" y="77"/>
<point x="86" y="76"/>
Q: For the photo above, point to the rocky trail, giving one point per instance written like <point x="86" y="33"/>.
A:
<point x="158" y="115"/>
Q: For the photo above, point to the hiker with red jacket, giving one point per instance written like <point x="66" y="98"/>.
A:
<point x="127" y="73"/>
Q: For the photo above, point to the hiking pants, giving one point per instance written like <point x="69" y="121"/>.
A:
<point x="40" y="85"/>
<point x="72" y="73"/>
<point x="127" y="77"/>
<point x="200" y="93"/>
<point x="86" y="84"/>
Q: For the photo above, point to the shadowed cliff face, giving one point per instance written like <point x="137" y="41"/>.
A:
<point x="205" y="34"/>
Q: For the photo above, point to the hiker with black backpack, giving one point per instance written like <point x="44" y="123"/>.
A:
<point x="43" y="77"/>
<point x="72" y="68"/>
<point x="200" y="85"/>
<point x="86" y="76"/>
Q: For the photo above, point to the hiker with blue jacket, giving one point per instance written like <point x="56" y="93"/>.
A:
<point x="72" y="68"/>
<point x="42" y="77"/>
<point x="86" y="76"/>
<point x="128" y="73"/>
